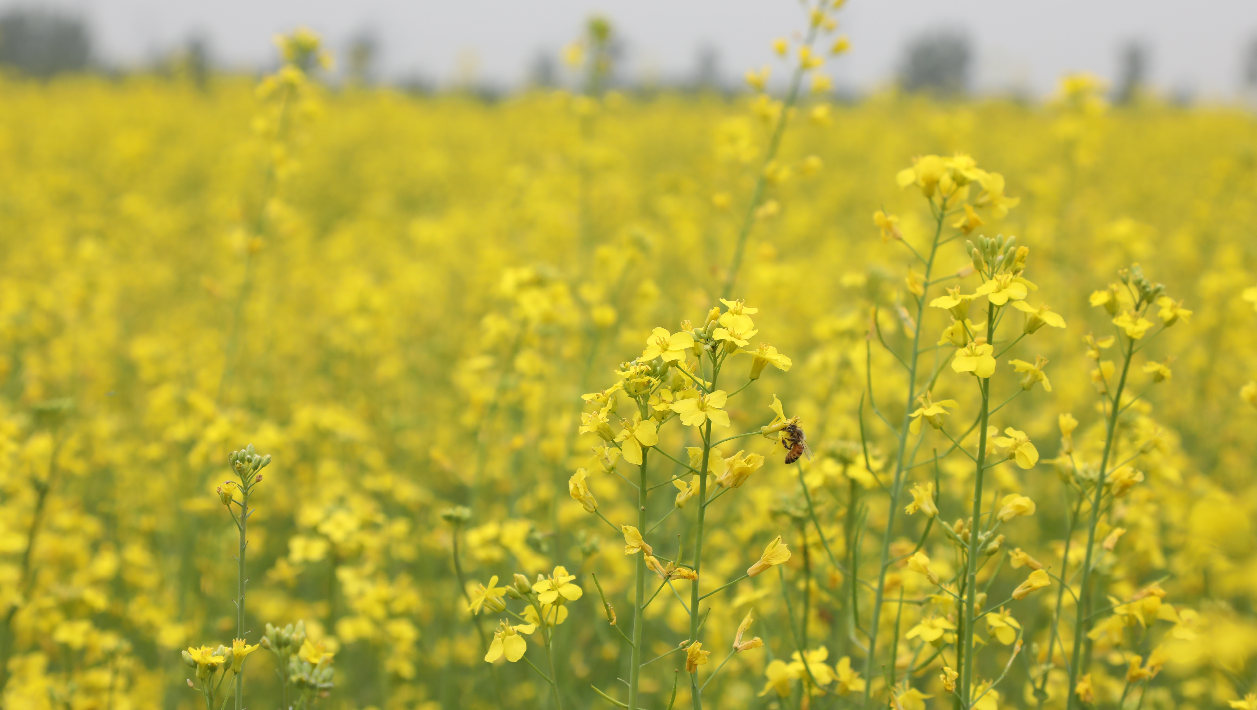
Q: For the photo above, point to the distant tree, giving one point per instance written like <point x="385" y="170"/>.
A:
<point x="938" y="63"/>
<point x="544" y="72"/>
<point x="195" y="61"/>
<point x="707" y="69"/>
<point x="1250" y="65"/>
<point x="1133" y="74"/>
<point x="43" y="43"/>
<point x="364" y="51"/>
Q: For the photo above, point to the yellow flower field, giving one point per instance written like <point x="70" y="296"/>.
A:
<point x="460" y="352"/>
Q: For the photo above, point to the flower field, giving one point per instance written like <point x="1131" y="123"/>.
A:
<point x="517" y="380"/>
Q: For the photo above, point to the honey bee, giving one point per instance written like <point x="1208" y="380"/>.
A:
<point x="795" y="442"/>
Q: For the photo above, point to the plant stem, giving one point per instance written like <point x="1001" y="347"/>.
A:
<point x="971" y="584"/>
<point x="1081" y="622"/>
<point x="900" y="467"/>
<point x="757" y="194"/>
<point x="639" y="595"/>
<point x="696" y="691"/>
<point x="243" y="525"/>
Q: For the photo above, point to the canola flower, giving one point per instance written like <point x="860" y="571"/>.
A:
<point x="435" y="330"/>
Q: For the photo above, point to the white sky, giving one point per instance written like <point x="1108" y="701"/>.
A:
<point x="1195" y="45"/>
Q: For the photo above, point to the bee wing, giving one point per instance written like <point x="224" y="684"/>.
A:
<point x="807" y="450"/>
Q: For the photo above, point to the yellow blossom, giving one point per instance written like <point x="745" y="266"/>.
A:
<point x="695" y="656"/>
<point x="1004" y="288"/>
<point x="1019" y="448"/>
<point x="240" y="650"/>
<point x="888" y="224"/>
<point x="1038" y="579"/>
<point x="637" y="435"/>
<point x="930" y="411"/>
<point x="508" y="642"/>
<point x="779" y="676"/>
<point x="911" y="699"/>
<point x="920" y="564"/>
<point x="975" y="357"/>
<point x="697" y="410"/>
<point x="670" y="347"/>
<point x="1034" y="373"/>
<point x="1014" y="505"/>
<point x="1172" y="311"/>
<point x="558" y="585"/>
<point x="848" y="680"/>
<point x="774" y="554"/>
<point x="931" y="629"/>
<point x="579" y="490"/>
<point x="488" y="595"/>
<point x="1134" y="324"/>
<point x="633" y="542"/>
<point x="1003" y="626"/>
<point x="767" y="355"/>
<point x="922" y="500"/>
<point x="1036" y="318"/>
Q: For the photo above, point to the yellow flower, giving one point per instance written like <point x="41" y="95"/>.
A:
<point x="925" y="173"/>
<point x="774" y="554"/>
<point x="1085" y="691"/>
<point x="1160" y="371"/>
<point x="687" y="491"/>
<point x="1004" y="288"/>
<point x="959" y="332"/>
<point x="313" y="653"/>
<point x="969" y="221"/>
<point x="226" y="491"/>
<point x="597" y="423"/>
<point x="1122" y="480"/>
<point x="920" y="564"/>
<point x="1034" y="373"/>
<point x="1014" y="505"/>
<point x="911" y="699"/>
<point x="1248" y="703"/>
<point x="1171" y="311"/>
<point x="993" y="195"/>
<point x="842" y="44"/>
<point x="848" y="680"/>
<point x="922" y="500"/>
<point x="579" y="490"/>
<point x="695" y="411"/>
<point x="736" y="330"/>
<point x="1134" y="324"/>
<point x="695" y="656"/>
<point x="1036" y="318"/>
<point x="637" y="435"/>
<point x="987" y="699"/>
<point x="949" y="676"/>
<point x="764" y="356"/>
<point x="633" y="542"/>
<point x="930" y="411"/>
<point x="954" y="301"/>
<point x="1003" y="626"/>
<point x="1019" y="447"/>
<point x="779" y="675"/>
<point x="206" y="657"/>
<point x="239" y="650"/>
<point x="553" y="615"/>
<point x="758" y="79"/>
<point x="487" y="596"/>
<point x="669" y="347"/>
<point x="558" y="585"/>
<point x="738" y="644"/>
<point x="810" y="665"/>
<point x="975" y="357"/>
<point x="1021" y="559"/>
<point x="508" y="642"/>
<point x="739" y="468"/>
<point x="1038" y="579"/>
<point x="1248" y="393"/>
<point x="931" y="629"/>
<point x="888" y="224"/>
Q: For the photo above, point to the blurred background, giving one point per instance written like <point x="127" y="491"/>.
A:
<point x="1188" y="52"/>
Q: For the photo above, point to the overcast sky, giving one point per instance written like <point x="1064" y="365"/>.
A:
<point x="1196" y="45"/>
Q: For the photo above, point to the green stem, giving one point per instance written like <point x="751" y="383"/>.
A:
<point x="639" y="595"/>
<point x="870" y="663"/>
<point x="243" y="525"/>
<point x="696" y="692"/>
<point x="757" y="194"/>
<point x="1081" y="622"/>
<point x="971" y="584"/>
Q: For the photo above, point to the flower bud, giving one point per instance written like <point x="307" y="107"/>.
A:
<point x="521" y="584"/>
